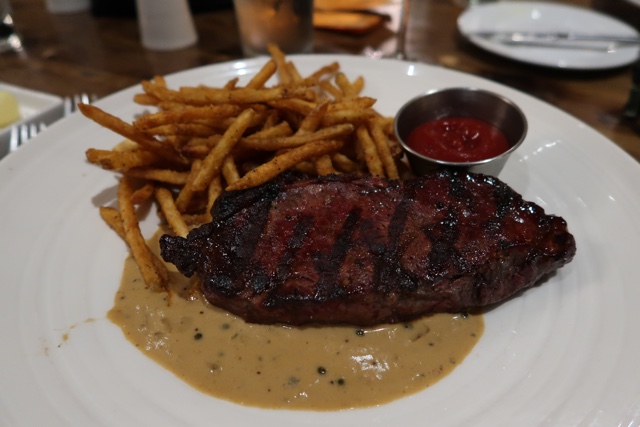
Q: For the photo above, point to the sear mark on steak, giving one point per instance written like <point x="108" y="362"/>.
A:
<point x="366" y="250"/>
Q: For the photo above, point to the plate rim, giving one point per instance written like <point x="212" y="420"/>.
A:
<point x="36" y="154"/>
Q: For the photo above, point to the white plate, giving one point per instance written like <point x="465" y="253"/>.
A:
<point x="539" y="16"/>
<point x="564" y="353"/>
<point x="35" y="107"/>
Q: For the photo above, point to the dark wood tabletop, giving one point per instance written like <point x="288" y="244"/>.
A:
<point x="101" y="53"/>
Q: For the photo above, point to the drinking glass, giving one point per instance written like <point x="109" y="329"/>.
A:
<point x="286" y="23"/>
<point x="166" y="24"/>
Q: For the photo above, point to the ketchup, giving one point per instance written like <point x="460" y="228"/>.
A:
<point x="458" y="139"/>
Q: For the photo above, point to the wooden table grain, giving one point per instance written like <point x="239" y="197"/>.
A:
<point x="67" y="54"/>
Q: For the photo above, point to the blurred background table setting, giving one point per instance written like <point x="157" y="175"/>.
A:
<point x="104" y="46"/>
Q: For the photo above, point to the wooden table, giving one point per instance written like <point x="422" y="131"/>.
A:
<point x="67" y="54"/>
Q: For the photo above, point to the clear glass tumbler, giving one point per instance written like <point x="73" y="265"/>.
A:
<point x="286" y="23"/>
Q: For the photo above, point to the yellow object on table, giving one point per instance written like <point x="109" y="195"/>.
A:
<point x="9" y="112"/>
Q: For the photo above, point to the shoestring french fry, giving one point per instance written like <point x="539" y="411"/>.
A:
<point x="370" y="151"/>
<point x="155" y="276"/>
<point x="171" y="214"/>
<point x="200" y="96"/>
<point x="354" y="116"/>
<point x="130" y="132"/>
<point x="313" y="120"/>
<point x="280" y="129"/>
<point x="296" y="140"/>
<point x="324" y="165"/>
<point x="231" y="84"/>
<point x="266" y="72"/>
<point x="349" y="89"/>
<point x="194" y="143"/>
<point x="187" y="191"/>
<point x="306" y="166"/>
<point x="159" y="175"/>
<point x="143" y="194"/>
<point x="331" y="89"/>
<point x="112" y="217"/>
<point x="281" y="63"/>
<point x="327" y="70"/>
<point x="382" y="146"/>
<point x="213" y="192"/>
<point x="182" y="129"/>
<point x="213" y="162"/>
<point x="344" y="163"/>
<point x="283" y="162"/>
<point x="187" y="114"/>
<point x="145" y="99"/>
<point x="121" y="160"/>
<point x="230" y="171"/>
<point x="296" y="78"/>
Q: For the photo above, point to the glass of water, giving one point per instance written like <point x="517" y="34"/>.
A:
<point x="286" y="23"/>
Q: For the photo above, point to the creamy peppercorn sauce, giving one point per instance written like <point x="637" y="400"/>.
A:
<point x="276" y="366"/>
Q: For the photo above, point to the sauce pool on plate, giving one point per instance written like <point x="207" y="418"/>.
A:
<point x="458" y="139"/>
<point x="277" y="366"/>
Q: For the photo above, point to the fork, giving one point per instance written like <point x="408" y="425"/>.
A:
<point x="22" y="133"/>
<point x="71" y="102"/>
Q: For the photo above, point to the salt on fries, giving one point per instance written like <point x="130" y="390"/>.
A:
<point x="203" y="141"/>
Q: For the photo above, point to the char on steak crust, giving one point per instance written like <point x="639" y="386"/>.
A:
<point x="344" y="249"/>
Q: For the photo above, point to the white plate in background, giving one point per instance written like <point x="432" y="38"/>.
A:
<point x="34" y="107"/>
<point x="544" y="16"/>
<point x="564" y="353"/>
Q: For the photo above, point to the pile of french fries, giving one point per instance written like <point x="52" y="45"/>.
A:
<point x="203" y="141"/>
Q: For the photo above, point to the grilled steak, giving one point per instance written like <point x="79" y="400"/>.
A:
<point x="366" y="250"/>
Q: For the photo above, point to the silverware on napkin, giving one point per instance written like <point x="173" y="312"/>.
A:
<point x="558" y="39"/>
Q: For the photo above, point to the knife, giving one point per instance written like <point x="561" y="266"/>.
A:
<point x="515" y="37"/>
